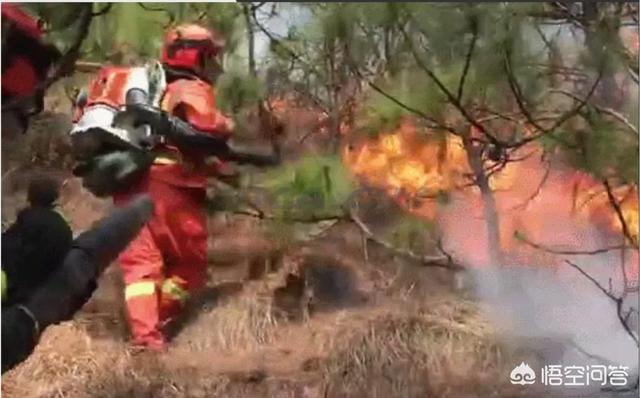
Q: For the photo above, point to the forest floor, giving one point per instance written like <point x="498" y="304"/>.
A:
<point x="374" y="327"/>
<point x="373" y="330"/>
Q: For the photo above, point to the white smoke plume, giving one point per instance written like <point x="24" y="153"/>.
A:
<point x="540" y="298"/>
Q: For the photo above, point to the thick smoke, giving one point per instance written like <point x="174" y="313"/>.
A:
<point x="536" y="297"/>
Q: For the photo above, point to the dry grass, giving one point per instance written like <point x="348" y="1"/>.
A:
<point x="64" y="361"/>
<point x="445" y="349"/>
<point x="68" y="363"/>
<point x="242" y="324"/>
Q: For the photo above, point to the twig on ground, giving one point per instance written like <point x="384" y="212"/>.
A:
<point x="573" y="252"/>
<point x="617" y="300"/>
<point x="443" y="260"/>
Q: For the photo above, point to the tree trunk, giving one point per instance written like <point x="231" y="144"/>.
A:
<point x="250" y="40"/>
<point x="490" y="209"/>
<point x="334" y="94"/>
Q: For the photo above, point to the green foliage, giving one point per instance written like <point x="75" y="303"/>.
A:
<point x="607" y="148"/>
<point x="237" y="91"/>
<point x="413" y="90"/>
<point x="337" y="21"/>
<point x="60" y="22"/>
<point x="315" y="186"/>
<point x="380" y="14"/>
<point x="413" y="234"/>
<point x="129" y="29"/>
<point x="383" y="114"/>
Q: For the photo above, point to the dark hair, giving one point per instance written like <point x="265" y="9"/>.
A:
<point x="43" y="191"/>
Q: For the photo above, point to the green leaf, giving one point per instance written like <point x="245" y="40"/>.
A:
<point x="315" y="186"/>
<point x="412" y="233"/>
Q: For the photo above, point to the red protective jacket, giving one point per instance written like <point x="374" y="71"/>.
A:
<point x="193" y="100"/>
<point x="26" y="59"/>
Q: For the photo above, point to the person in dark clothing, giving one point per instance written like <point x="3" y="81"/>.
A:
<point x="35" y="245"/>
<point x="61" y="295"/>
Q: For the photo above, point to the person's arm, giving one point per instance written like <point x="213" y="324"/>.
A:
<point x="183" y="134"/>
<point x="71" y="286"/>
<point x="174" y="126"/>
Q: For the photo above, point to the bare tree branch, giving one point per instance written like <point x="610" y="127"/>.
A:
<point x="634" y="75"/>
<point x="573" y="252"/>
<point x="170" y="14"/>
<point x="467" y="62"/>
<point x="258" y="6"/>
<point x="450" y="97"/>
<point x="599" y="359"/>
<point x="104" y="10"/>
<point x="275" y="40"/>
<point x="291" y="53"/>
<point x="311" y="219"/>
<point x="433" y="122"/>
<point x="442" y="261"/>
<point x="544" y="39"/>
<point x="616" y="206"/>
<point x="536" y="192"/>
<point x="617" y="300"/>
<point x="517" y="93"/>
<point x="602" y="109"/>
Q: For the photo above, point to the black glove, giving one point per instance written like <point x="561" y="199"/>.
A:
<point x="62" y="295"/>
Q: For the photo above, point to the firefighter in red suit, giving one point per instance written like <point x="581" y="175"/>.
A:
<point x="167" y="260"/>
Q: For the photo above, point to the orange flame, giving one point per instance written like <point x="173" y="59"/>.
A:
<point x="415" y="170"/>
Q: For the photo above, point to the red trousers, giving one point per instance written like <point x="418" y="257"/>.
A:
<point x="168" y="258"/>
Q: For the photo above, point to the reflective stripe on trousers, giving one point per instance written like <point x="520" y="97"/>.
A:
<point x="142" y="288"/>
<point x="165" y="160"/>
